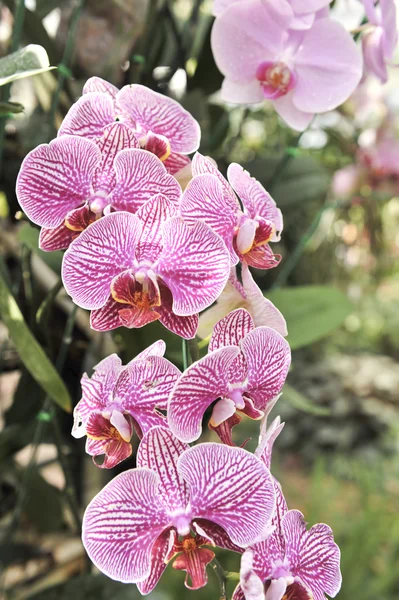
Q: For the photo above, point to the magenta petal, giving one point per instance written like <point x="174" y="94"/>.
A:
<point x="153" y="215"/>
<point x="262" y="310"/>
<point x="97" y="84"/>
<point x="199" y="386"/>
<point x="158" y="563"/>
<point x="268" y="437"/>
<point x="203" y="200"/>
<point x="313" y="555"/>
<point x="140" y="175"/>
<point x="116" y="137"/>
<point x="194" y="264"/>
<point x="202" y="165"/>
<point x="106" y="318"/>
<point x="215" y="534"/>
<point x="268" y="358"/>
<point x="159" y="451"/>
<point x="122" y="523"/>
<point x="251" y="585"/>
<point x="102" y="251"/>
<point x="176" y="162"/>
<point x="143" y="387"/>
<point x="88" y="116"/>
<point x="57" y="238"/>
<point x="150" y="110"/>
<point x="230" y="330"/>
<point x="55" y="178"/>
<point x="262" y="257"/>
<point x="230" y="487"/>
<point x="329" y="60"/>
<point x="158" y="348"/>
<point x="256" y="200"/>
<point x="185" y="327"/>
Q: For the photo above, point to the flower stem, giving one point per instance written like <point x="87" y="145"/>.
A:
<point x="221" y="576"/>
<point x="185" y="354"/>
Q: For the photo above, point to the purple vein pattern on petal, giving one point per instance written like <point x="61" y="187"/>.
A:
<point x="159" y="451"/>
<point x="158" y="348"/>
<point x="201" y="384"/>
<point x="256" y="200"/>
<point x="230" y="487"/>
<point x="230" y="330"/>
<point x="144" y="386"/>
<point x="202" y="165"/>
<point x="313" y="555"/>
<point x="150" y="110"/>
<point x="158" y="564"/>
<point x="57" y="238"/>
<point x="97" y="390"/>
<point x="203" y="200"/>
<point x="194" y="264"/>
<point x="102" y="251"/>
<point x="116" y="137"/>
<point x="153" y="215"/>
<point x="97" y="84"/>
<point x="122" y="523"/>
<point x="139" y="176"/>
<point x="268" y="358"/>
<point x="55" y="178"/>
<point x="88" y="116"/>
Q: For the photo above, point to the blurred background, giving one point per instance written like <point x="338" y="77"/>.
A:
<point x="337" y="286"/>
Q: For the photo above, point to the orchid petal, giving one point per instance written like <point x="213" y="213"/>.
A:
<point x="158" y="564"/>
<point x="277" y="589"/>
<point x="119" y="421"/>
<point x="158" y="348"/>
<point x="116" y="137"/>
<point x="313" y="555"/>
<point x="230" y="330"/>
<point x="57" y="238"/>
<point x="97" y="84"/>
<point x="203" y="200"/>
<point x="216" y="535"/>
<point x="158" y="145"/>
<point x="242" y="93"/>
<point x="295" y="118"/>
<point x="246" y="236"/>
<point x="268" y="358"/>
<point x="139" y="176"/>
<point x="308" y="6"/>
<point x="153" y="215"/>
<point x="222" y="481"/>
<point x="55" y="178"/>
<point x="262" y="310"/>
<point x="100" y="253"/>
<point x="262" y="257"/>
<point x="106" y="318"/>
<point x="185" y="327"/>
<point x="194" y="264"/>
<point x="251" y="585"/>
<point x="159" y="451"/>
<point x="268" y="437"/>
<point x="150" y="110"/>
<point x="122" y="523"/>
<point x="114" y="450"/>
<point x="176" y="162"/>
<point x="202" y="165"/>
<point x="88" y="116"/>
<point x="200" y="385"/>
<point x="238" y="594"/>
<point x="223" y="410"/>
<point x="320" y="66"/>
<point x="256" y="200"/>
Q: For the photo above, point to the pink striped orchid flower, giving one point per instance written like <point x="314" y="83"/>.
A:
<point x="160" y="125"/>
<point x="246" y="232"/>
<point x="71" y="182"/>
<point x="293" y="563"/>
<point x="118" y="400"/>
<point x="131" y="270"/>
<point x="177" y="500"/>
<point x="244" y="370"/>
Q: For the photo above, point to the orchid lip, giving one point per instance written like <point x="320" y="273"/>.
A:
<point x="276" y="79"/>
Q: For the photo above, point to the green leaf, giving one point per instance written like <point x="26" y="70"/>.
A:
<point x="29" y="236"/>
<point x="10" y="108"/>
<point x="301" y="403"/>
<point x="26" y="62"/>
<point x="30" y="351"/>
<point x="311" y="311"/>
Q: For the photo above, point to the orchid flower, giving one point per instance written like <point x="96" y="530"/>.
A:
<point x="131" y="270"/>
<point x="380" y="42"/>
<point x="244" y="371"/>
<point x="71" y="182"/>
<point x="160" y="124"/>
<point x="301" y="72"/>
<point x="293" y="563"/>
<point x="117" y="400"/>
<point x="242" y="295"/>
<point x="177" y="500"/>
<point x="246" y="233"/>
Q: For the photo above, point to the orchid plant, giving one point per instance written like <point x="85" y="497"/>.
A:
<point x="140" y="248"/>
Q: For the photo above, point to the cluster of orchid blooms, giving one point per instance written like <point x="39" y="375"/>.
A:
<point x="144" y="245"/>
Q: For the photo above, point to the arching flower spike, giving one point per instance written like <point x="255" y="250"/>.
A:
<point x="210" y="198"/>
<point x="117" y="400"/>
<point x="160" y="124"/>
<point x="134" y="269"/>
<point x="244" y="371"/>
<point x="178" y="499"/>
<point x="71" y="182"/>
